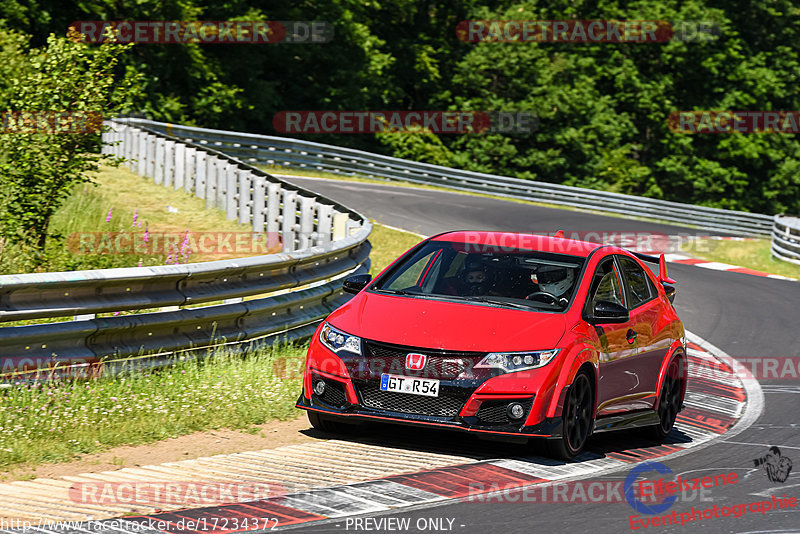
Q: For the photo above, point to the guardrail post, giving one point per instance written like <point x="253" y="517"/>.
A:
<point x="324" y="223"/>
<point x="289" y="219"/>
<point x="246" y="205"/>
<point x="127" y="143"/>
<point x="259" y="205"/>
<point x="161" y="153"/>
<point x="189" y="169"/>
<point x="150" y="156"/>
<point x="200" y="167"/>
<point x="340" y="225"/>
<point x="273" y="207"/>
<point x="306" y="222"/>
<point x="141" y="165"/>
<point x="136" y="163"/>
<point x="222" y="184"/>
<point x="169" y="163"/>
<point x="180" y="166"/>
<point x="231" y="191"/>
<point x="212" y="174"/>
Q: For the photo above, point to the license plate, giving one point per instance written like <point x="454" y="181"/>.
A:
<point x="409" y="384"/>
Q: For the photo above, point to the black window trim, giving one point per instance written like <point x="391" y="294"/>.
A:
<point x="618" y="260"/>
<point x="613" y="258"/>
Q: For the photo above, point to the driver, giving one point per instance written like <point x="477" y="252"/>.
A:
<point x="555" y="280"/>
<point x="474" y="278"/>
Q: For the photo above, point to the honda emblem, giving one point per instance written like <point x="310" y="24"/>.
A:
<point x="415" y="361"/>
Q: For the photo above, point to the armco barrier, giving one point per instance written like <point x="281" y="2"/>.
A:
<point x="786" y="239"/>
<point x="294" y="153"/>
<point x="288" y="292"/>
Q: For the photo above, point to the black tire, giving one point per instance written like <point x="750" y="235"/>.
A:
<point x="577" y="420"/>
<point x="669" y="402"/>
<point x="327" y="423"/>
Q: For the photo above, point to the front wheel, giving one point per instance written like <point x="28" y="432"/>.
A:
<point x="577" y="420"/>
<point x="669" y="402"/>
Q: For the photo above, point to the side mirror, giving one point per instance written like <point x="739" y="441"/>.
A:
<point x="354" y="284"/>
<point x="670" y="291"/>
<point x="606" y="311"/>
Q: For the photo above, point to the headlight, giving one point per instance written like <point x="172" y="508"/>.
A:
<point x="508" y="362"/>
<point x="338" y="341"/>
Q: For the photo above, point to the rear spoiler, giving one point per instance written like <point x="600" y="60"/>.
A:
<point x="662" y="266"/>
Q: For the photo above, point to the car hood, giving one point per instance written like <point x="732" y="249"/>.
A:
<point x="435" y="324"/>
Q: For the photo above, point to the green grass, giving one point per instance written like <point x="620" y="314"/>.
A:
<point x="57" y="420"/>
<point x="753" y="254"/>
<point x="387" y="245"/>
<point x="121" y="194"/>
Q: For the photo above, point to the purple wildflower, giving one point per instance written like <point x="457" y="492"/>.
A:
<point x="110" y="212"/>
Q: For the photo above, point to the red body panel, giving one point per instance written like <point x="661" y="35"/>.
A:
<point x="626" y="375"/>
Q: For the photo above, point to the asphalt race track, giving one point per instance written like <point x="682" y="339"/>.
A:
<point x="749" y="317"/>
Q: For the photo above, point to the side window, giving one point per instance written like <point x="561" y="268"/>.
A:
<point x="638" y="288"/>
<point x="605" y="285"/>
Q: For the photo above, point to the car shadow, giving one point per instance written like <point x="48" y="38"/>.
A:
<point x="452" y="442"/>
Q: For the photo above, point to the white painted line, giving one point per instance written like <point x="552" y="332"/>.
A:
<point x="755" y="395"/>
<point x="421" y="236"/>
<point x="716" y="266"/>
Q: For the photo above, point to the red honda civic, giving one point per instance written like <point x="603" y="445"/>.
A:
<point x="513" y="336"/>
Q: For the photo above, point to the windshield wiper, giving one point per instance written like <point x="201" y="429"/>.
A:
<point x="401" y="292"/>
<point x="499" y="302"/>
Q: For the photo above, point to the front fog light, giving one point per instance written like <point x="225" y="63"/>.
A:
<point x="319" y="387"/>
<point x="515" y="411"/>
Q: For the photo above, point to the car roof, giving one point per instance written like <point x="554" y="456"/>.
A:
<point x="543" y="243"/>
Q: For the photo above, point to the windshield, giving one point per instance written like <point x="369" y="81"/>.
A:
<point x="495" y="275"/>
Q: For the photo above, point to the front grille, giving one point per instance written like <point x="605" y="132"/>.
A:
<point x="494" y="411"/>
<point x="443" y="365"/>
<point x="445" y="405"/>
<point x="334" y="394"/>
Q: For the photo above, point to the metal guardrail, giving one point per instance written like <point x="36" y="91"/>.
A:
<point x="786" y="239"/>
<point x="291" y="291"/>
<point x="294" y="153"/>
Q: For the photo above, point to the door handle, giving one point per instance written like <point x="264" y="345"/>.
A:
<point x="631" y="335"/>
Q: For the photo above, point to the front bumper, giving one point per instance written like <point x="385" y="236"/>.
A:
<point x="548" y="428"/>
<point x="469" y="399"/>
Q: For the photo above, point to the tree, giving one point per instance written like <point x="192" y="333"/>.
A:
<point x="44" y="153"/>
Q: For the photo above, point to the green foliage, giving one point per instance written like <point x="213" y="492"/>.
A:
<point x="602" y="108"/>
<point x="418" y="144"/>
<point x="40" y="167"/>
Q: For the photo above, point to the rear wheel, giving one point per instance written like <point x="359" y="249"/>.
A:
<point x="669" y="401"/>
<point x="326" y="423"/>
<point x="577" y="420"/>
